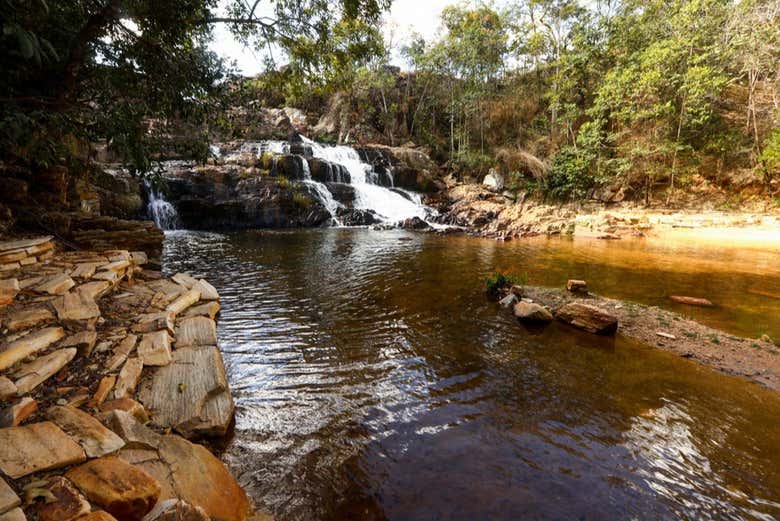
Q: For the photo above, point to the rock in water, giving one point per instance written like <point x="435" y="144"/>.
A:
<point x="588" y="318"/>
<point x="692" y="301"/>
<point x="530" y="312"/>
<point x="577" y="286"/>
<point x="123" y="490"/>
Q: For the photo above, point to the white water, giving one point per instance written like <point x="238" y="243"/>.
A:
<point x="161" y="211"/>
<point x="391" y="207"/>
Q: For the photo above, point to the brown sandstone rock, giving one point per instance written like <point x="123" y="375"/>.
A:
<point x="209" y="309"/>
<point x="135" y="435"/>
<point x="8" y="498"/>
<point x="99" y="515"/>
<point x="577" y="286"/>
<point x="35" y="373"/>
<point x="128" y="378"/>
<point x="127" y="405"/>
<point x="94" y="438"/>
<point x="123" y="490"/>
<point x="9" y="288"/>
<point x="207" y="291"/>
<point x="15" y="514"/>
<point x="155" y="349"/>
<point x="29" y="345"/>
<point x="7" y="388"/>
<point x="84" y="341"/>
<point x="15" y="414"/>
<point x="529" y="312"/>
<point x="36" y="447"/>
<point x="196" y="331"/>
<point x="28" y="318"/>
<point x="121" y="352"/>
<point x="76" y="306"/>
<point x="176" y="510"/>
<point x="105" y="387"/>
<point x="56" y="285"/>
<point x="186" y="300"/>
<point x="588" y="318"/>
<point x="692" y="301"/>
<point x="68" y="505"/>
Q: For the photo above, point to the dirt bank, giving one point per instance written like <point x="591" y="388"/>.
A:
<point x="756" y="359"/>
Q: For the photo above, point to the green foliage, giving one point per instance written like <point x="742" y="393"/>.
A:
<point x="283" y="182"/>
<point x="771" y="154"/>
<point x="302" y="201"/>
<point x="499" y="281"/>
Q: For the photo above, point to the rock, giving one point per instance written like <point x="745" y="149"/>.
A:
<point x="128" y="378"/>
<point x="28" y="318"/>
<point x="123" y="490"/>
<point x="666" y="335"/>
<point x="356" y="217"/>
<point x="196" y="331"/>
<point x="9" y="288"/>
<point x="95" y="289"/>
<point x="127" y="405"/>
<point x="99" y="515"/>
<point x="207" y="291"/>
<point x="184" y="301"/>
<point x="176" y="510"/>
<point x="155" y="321"/>
<point x="692" y="301"/>
<point x="191" y="394"/>
<point x="530" y="312"/>
<point x="577" y="286"/>
<point x="35" y="448"/>
<point x="68" y="505"/>
<point x="106" y="386"/>
<point x="139" y="258"/>
<point x="94" y="438"/>
<point x="15" y="414"/>
<point x="56" y="285"/>
<point x="29" y="345"/>
<point x="185" y="280"/>
<point x="121" y="353"/>
<point x="414" y="223"/>
<point x="509" y="301"/>
<point x="209" y="309"/>
<point x="196" y="476"/>
<point x="135" y="435"/>
<point x="23" y="244"/>
<point x="8" y="498"/>
<point x="155" y="349"/>
<point x="7" y="388"/>
<point x="588" y="318"/>
<point x="84" y="341"/>
<point x="15" y="514"/>
<point x="494" y="181"/>
<point x="35" y="373"/>
<point x="74" y="307"/>
<point x="85" y="270"/>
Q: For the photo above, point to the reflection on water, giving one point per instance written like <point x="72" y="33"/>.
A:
<point x="374" y="381"/>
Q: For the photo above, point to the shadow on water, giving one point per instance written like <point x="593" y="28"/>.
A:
<point x="374" y="381"/>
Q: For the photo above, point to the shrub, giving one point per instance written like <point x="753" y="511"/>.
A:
<point x="570" y="176"/>
<point x="283" y="182"/>
<point x="498" y="281"/>
<point x="301" y="201"/>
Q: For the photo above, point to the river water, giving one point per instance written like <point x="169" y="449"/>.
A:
<point x="374" y="380"/>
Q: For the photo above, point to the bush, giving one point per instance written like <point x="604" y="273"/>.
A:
<point x="302" y="201"/>
<point x="498" y="281"/>
<point x="771" y="155"/>
<point x="570" y="175"/>
<point x="283" y="182"/>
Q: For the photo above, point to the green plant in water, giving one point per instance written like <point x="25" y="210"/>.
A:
<point x="283" y="182"/>
<point x="498" y="281"/>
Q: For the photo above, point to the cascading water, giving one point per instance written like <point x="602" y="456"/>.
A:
<point x="391" y="205"/>
<point x="161" y="211"/>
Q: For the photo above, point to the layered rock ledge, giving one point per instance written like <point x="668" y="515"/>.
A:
<point x="109" y="375"/>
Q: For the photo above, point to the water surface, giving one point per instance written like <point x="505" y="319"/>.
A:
<point x="373" y="380"/>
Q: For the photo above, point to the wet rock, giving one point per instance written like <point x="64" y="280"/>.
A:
<point x="123" y="490"/>
<point x="128" y="378"/>
<point x="15" y="414"/>
<point x="353" y="217"/>
<point x="191" y="394"/>
<point x="155" y="349"/>
<point x="577" y="286"/>
<point x="135" y="435"/>
<point x="68" y="502"/>
<point x="28" y="318"/>
<point x="692" y="301"/>
<point x="327" y="172"/>
<point x="94" y="438"/>
<point x="8" y="498"/>
<point x="29" y="345"/>
<point x="414" y="223"/>
<point x="530" y="312"/>
<point x="36" y="447"/>
<point x="588" y="318"/>
<point x="508" y="301"/>
<point x="35" y="373"/>
<point x="196" y="331"/>
<point x="126" y="405"/>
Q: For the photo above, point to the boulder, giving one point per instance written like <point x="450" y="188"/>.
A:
<point x="414" y="223"/>
<point x="530" y="312"/>
<point x="67" y="505"/>
<point x="494" y="181"/>
<point x="692" y="301"/>
<point x="588" y="318"/>
<point x="35" y="373"/>
<point x="207" y="291"/>
<point x="123" y="490"/>
<point x="509" y="301"/>
<point x="35" y="448"/>
<point x="94" y="438"/>
<point x="191" y="394"/>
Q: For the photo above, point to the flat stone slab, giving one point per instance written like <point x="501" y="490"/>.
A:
<point x="15" y="414"/>
<point x="128" y="378"/>
<point x="196" y="331"/>
<point x="187" y="299"/>
<point x="94" y="438"/>
<point x="8" y="498"/>
<point x="155" y="349"/>
<point x="24" y="243"/>
<point x="191" y="394"/>
<point x="588" y="318"/>
<point x="29" y="345"/>
<point x="123" y="490"/>
<point x="56" y="285"/>
<point x="28" y="318"/>
<point x="15" y="514"/>
<point x="7" y="388"/>
<point x="35" y="373"/>
<point x="76" y="306"/>
<point x="36" y="447"/>
<point x="209" y="309"/>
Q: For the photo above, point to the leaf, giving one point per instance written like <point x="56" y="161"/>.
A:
<point x="25" y="43"/>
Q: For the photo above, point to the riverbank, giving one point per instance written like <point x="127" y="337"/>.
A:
<point x="486" y="212"/>
<point x="755" y="359"/>
<point x="109" y="376"/>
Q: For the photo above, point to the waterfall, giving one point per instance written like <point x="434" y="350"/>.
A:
<point x="392" y="205"/>
<point x="161" y="211"/>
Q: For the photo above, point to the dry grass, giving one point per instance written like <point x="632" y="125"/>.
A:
<point x="518" y="160"/>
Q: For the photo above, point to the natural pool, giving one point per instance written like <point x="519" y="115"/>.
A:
<point x="374" y="380"/>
